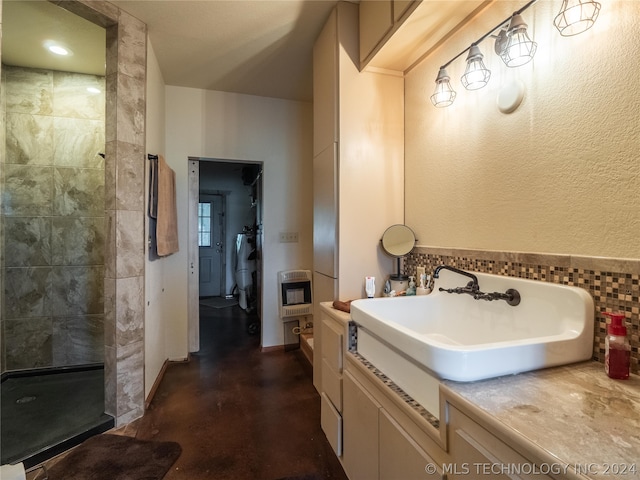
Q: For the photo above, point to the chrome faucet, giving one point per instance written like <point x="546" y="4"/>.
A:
<point x="511" y="296"/>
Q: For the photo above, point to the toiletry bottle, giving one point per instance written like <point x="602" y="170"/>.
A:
<point x="617" y="348"/>
<point x="412" y="285"/>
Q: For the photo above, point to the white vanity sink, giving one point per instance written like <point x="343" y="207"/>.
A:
<point x="455" y="337"/>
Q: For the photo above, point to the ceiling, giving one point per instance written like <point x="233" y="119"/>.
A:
<point x="255" y="47"/>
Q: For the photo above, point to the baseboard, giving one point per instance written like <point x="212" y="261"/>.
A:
<point x="160" y="376"/>
<point x="273" y="348"/>
<point x="156" y="384"/>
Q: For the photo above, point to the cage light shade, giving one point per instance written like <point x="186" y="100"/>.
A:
<point x="476" y="75"/>
<point x="443" y="95"/>
<point x="576" y="16"/>
<point x="519" y="49"/>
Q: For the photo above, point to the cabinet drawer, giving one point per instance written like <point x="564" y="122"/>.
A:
<point x="331" y="423"/>
<point x="332" y="385"/>
<point x="332" y="341"/>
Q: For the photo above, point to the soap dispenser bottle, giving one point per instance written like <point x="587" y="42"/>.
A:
<point x="617" y="348"/>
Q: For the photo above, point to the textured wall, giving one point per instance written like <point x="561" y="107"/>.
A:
<point x="559" y="175"/>
<point x="53" y="206"/>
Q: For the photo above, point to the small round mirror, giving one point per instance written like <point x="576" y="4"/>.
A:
<point x="398" y="240"/>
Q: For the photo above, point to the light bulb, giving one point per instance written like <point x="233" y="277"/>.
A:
<point x="519" y="49"/>
<point x="443" y="95"/>
<point x="576" y="16"/>
<point x="476" y="75"/>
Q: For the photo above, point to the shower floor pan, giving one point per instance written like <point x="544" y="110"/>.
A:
<point x="47" y="412"/>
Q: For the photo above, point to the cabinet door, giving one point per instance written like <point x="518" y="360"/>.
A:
<point x="477" y="453"/>
<point x="325" y="212"/>
<point x="360" y="431"/>
<point x="376" y="19"/>
<point x="325" y="86"/>
<point x="400" y="456"/>
<point x="399" y="7"/>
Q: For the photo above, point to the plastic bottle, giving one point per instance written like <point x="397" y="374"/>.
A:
<point x="617" y="349"/>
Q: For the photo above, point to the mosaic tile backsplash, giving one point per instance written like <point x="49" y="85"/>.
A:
<point x="613" y="284"/>
<point x="53" y="219"/>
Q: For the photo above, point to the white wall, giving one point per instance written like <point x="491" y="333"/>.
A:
<point x="229" y="126"/>
<point x="560" y="174"/>
<point x="158" y="307"/>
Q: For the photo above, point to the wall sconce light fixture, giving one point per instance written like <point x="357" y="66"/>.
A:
<point x="476" y="75"/>
<point x="444" y="95"/>
<point x="576" y="16"/>
<point x="513" y="45"/>
<point x="519" y="48"/>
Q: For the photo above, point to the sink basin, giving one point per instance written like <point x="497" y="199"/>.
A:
<point x="455" y="337"/>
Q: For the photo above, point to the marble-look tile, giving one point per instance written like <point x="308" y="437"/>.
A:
<point x="129" y="310"/>
<point x="27" y="292"/>
<point x="77" y="240"/>
<point x="77" y="290"/>
<point x="131" y="110"/>
<point x="132" y="58"/>
<point x="28" y="343"/>
<point x="130" y="169"/>
<point x="72" y="99"/>
<point x="78" y="191"/>
<point x="110" y="251"/>
<point x="29" y="90"/>
<point x="27" y="241"/>
<point x="130" y="378"/>
<point x="78" y="143"/>
<point x="110" y="381"/>
<point x="28" y="190"/>
<point x="111" y="113"/>
<point x="78" y="340"/>
<point x="110" y="312"/>
<point x="129" y="243"/>
<point x="110" y="183"/>
<point x="29" y="139"/>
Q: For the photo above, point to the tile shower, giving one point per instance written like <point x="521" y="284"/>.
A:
<point x="53" y="212"/>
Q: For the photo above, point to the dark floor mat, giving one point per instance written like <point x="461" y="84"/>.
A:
<point x="115" y="457"/>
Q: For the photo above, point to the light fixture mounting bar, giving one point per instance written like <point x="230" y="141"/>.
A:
<point x="504" y="22"/>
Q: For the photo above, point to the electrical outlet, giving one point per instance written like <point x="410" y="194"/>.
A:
<point x="288" y="237"/>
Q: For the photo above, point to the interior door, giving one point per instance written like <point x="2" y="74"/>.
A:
<point x="210" y="244"/>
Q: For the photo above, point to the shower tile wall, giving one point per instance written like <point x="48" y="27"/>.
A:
<point x="53" y="213"/>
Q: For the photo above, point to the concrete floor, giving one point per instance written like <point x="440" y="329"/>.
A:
<point x="237" y="412"/>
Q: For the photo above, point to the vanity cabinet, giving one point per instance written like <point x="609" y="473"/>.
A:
<point x="380" y="440"/>
<point x="475" y="452"/>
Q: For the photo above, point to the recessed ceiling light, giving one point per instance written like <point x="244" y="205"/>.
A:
<point x="57" y="49"/>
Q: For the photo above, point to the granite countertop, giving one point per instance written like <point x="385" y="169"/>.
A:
<point x="575" y="413"/>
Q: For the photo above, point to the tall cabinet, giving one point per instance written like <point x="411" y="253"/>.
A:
<point x="358" y="167"/>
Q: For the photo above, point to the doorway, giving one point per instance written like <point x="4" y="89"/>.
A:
<point x="225" y="218"/>
<point x="211" y="245"/>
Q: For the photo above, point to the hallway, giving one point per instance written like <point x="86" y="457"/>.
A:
<point x="239" y="413"/>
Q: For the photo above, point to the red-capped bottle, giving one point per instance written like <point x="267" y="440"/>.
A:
<point x="617" y="349"/>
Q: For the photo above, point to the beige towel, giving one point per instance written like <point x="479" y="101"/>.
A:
<point x="167" y="228"/>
